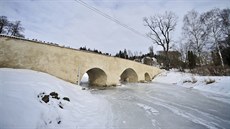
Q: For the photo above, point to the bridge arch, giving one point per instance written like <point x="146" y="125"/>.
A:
<point x="147" y="77"/>
<point x="96" y="77"/>
<point x="128" y="75"/>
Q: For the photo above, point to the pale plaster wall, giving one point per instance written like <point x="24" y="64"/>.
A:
<point x="64" y="62"/>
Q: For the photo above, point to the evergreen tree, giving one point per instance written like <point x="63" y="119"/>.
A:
<point x="125" y="54"/>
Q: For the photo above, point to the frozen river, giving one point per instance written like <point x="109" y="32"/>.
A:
<point x="163" y="106"/>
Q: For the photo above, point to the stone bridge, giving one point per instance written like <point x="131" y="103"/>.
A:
<point x="71" y="64"/>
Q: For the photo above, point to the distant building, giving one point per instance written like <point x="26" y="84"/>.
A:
<point x="149" y="61"/>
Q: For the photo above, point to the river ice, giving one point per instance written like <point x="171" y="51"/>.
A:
<point x="164" y="106"/>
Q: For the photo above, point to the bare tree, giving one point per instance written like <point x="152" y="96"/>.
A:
<point x="9" y="28"/>
<point x="194" y="33"/>
<point x="130" y="54"/>
<point x="225" y="20"/>
<point x="15" y="29"/>
<point x="183" y="48"/>
<point x="216" y="27"/>
<point x="161" y="26"/>
<point x="3" y="24"/>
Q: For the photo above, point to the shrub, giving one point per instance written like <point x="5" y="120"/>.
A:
<point x="212" y="71"/>
<point x="209" y="81"/>
<point x="193" y="80"/>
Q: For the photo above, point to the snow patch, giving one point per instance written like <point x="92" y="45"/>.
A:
<point x="214" y="84"/>
<point x="20" y="106"/>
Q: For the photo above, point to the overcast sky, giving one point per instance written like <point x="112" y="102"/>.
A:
<point x="67" y="22"/>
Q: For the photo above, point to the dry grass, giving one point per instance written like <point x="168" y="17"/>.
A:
<point x="193" y="80"/>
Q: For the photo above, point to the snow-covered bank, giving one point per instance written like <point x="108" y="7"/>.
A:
<point x="21" y="105"/>
<point x="35" y="100"/>
<point x="214" y="84"/>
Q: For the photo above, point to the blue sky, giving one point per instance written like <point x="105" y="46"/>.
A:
<point x="66" y="22"/>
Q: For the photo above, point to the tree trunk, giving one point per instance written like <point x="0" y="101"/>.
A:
<point x="1" y="29"/>
<point x="167" y="62"/>
<point x="219" y="53"/>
